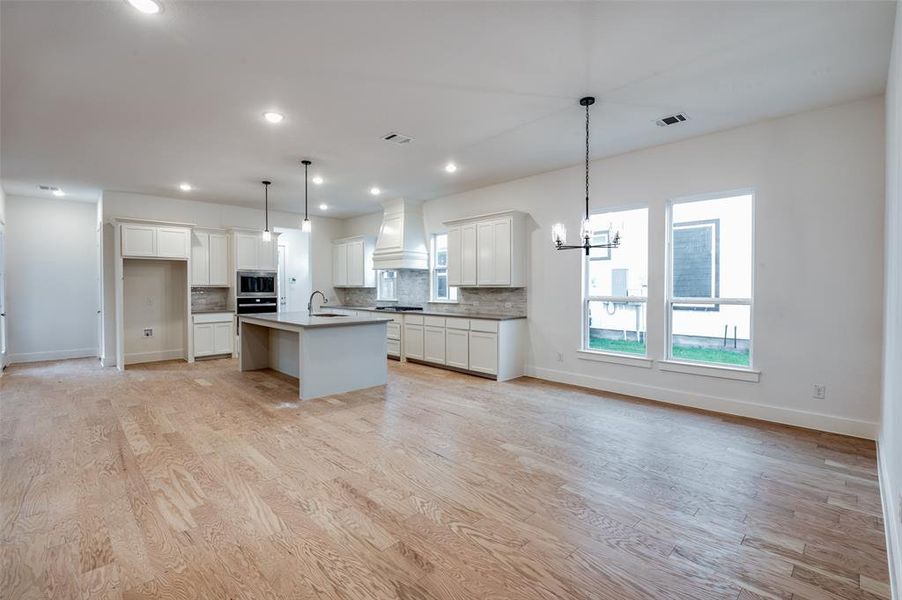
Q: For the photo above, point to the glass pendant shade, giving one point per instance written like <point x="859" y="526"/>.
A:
<point x="267" y="236"/>
<point x="306" y="226"/>
<point x="559" y="234"/>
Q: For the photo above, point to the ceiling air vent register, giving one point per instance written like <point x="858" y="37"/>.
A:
<point x="671" y="120"/>
<point x="397" y="138"/>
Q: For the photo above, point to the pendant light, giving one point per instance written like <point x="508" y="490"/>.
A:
<point x="267" y="236"/>
<point x="306" y="225"/>
<point x="559" y="232"/>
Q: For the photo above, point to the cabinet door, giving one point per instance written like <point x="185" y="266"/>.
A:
<point x="355" y="263"/>
<point x="222" y="338"/>
<point x="267" y="254"/>
<point x="457" y="348"/>
<point x="200" y="258"/>
<point x="203" y="339"/>
<point x="173" y="242"/>
<point x="434" y="344"/>
<point x="413" y="341"/>
<point x="502" y="252"/>
<point x="454" y="265"/>
<point x="139" y="240"/>
<point x="468" y="255"/>
<point x="484" y="352"/>
<point x="219" y="259"/>
<point x="340" y="265"/>
<point x="485" y="247"/>
<point x="246" y="251"/>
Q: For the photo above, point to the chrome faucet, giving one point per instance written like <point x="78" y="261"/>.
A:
<point x="310" y="302"/>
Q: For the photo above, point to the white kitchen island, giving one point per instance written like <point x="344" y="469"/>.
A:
<point x="329" y="355"/>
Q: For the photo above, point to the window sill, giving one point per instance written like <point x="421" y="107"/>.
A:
<point x="736" y="373"/>
<point x="618" y="359"/>
<point x="444" y="302"/>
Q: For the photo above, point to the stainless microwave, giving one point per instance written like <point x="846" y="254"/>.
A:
<point x="253" y="284"/>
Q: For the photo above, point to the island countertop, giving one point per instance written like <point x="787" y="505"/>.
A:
<point x="305" y="321"/>
<point x="457" y="314"/>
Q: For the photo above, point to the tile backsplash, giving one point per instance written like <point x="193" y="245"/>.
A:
<point x="204" y="298"/>
<point x="413" y="290"/>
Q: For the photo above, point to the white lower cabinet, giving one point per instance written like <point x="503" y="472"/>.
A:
<point x="484" y="352"/>
<point x="213" y="334"/>
<point x="413" y="338"/>
<point x="434" y="344"/>
<point x="457" y="348"/>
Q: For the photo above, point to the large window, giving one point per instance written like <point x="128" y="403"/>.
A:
<point x="441" y="291"/>
<point x="710" y="289"/>
<point x="387" y="285"/>
<point x="615" y="289"/>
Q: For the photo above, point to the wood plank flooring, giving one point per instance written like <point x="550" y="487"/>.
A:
<point x="198" y="481"/>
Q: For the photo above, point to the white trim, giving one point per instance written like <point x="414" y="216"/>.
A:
<point x="29" y="357"/>
<point x="890" y="525"/>
<point x="709" y="370"/>
<point x="788" y="416"/>
<point x="616" y="358"/>
<point x="157" y="355"/>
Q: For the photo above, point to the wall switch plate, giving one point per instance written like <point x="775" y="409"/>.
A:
<point x="820" y="391"/>
<point x="148" y="332"/>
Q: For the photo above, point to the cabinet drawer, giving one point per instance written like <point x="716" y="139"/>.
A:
<point x="223" y="317"/>
<point x="395" y="318"/>
<point x="414" y="319"/>
<point x="482" y="325"/>
<point x="456" y="323"/>
<point x="394" y="347"/>
<point x="393" y="331"/>
<point x="434" y="321"/>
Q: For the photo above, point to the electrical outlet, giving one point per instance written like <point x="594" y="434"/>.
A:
<point x="820" y="391"/>
<point x="148" y="332"/>
<point x="560" y="357"/>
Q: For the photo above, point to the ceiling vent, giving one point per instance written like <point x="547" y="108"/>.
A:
<point x="397" y="138"/>
<point x="671" y="120"/>
<point x="49" y="188"/>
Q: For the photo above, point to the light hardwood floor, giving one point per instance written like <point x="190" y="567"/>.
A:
<point x="198" y="481"/>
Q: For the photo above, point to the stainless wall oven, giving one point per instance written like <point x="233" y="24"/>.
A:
<point x="256" y="284"/>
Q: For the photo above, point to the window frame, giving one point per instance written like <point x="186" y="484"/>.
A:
<point x="452" y="290"/>
<point x="642" y="360"/>
<point x="379" y="297"/>
<point x="710" y="303"/>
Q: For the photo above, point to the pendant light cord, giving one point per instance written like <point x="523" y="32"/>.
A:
<point x="266" y="203"/>
<point x="305" y="190"/>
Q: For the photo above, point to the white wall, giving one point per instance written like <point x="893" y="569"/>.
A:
<point x="890" y="444"/>
<point x="155" y="296"/>
<point x="51" y="279"/>
<point x="205" y="214"/>
<point x="818" y="178"/>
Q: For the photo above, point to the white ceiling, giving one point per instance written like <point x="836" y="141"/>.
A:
<point x="95" y="95"/>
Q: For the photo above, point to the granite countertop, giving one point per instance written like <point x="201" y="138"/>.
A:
<point x="431" y="313"/>
<point x="303" y="320"/>
<point x="207" y="311"/>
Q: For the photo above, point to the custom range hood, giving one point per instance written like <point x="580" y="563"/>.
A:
<point x="402" y="242"/>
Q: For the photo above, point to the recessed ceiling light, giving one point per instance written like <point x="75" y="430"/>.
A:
<point x="148" y="7"/>
<point x="185" y="187"/>
<point x="375" y="191"/>
<point x="59" y="193"/>
<point x="450" y="167"/>
<point x="317" y="180"/>
<point x="323" y="206"/>
<point x="273" y="117"/>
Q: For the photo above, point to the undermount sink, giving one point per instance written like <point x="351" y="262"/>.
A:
<point x="328" y="315"/>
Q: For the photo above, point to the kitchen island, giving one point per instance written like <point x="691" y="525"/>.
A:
<point x="328" y="354"/>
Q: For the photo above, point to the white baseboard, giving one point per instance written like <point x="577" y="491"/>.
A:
<point x="107" y="361"/>
<point x="158" y="355"/>
<point x="29" y="357"/>
<point x="891" y="525"/>
<point x="741" y="408"/>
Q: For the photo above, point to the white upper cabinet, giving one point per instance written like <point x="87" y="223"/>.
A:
<point x="487" y="251"/>
<point x="155" y="241"/>
<point x="352" y="262"/>
<point x="254" y="254"/>
<point x="209" y="259"/>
